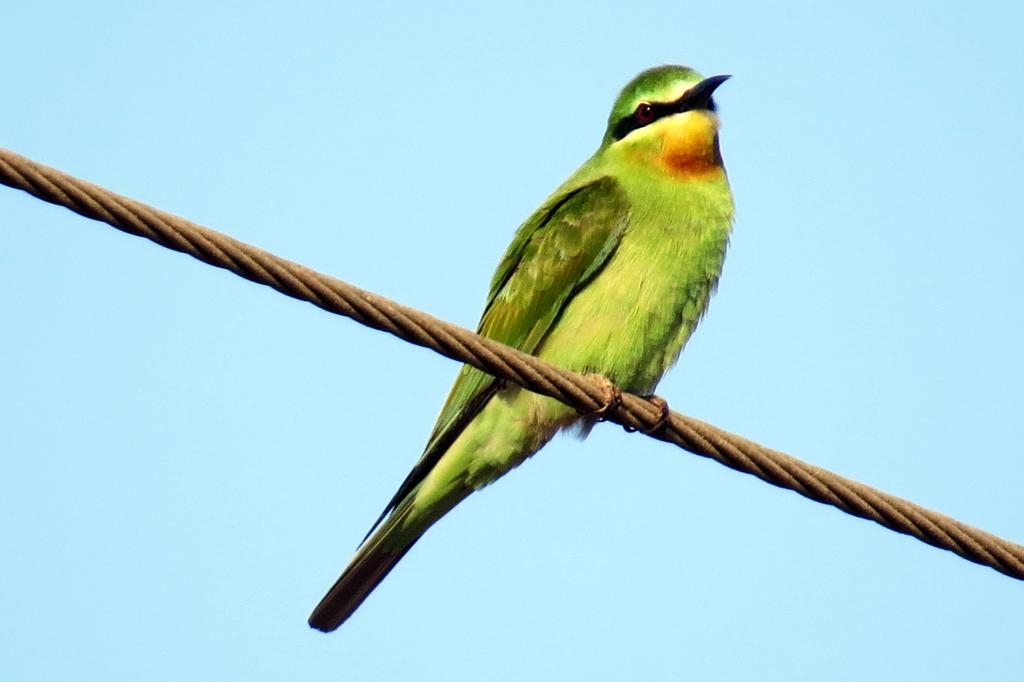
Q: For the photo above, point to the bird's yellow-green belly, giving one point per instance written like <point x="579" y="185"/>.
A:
<point x="631" y="322"/>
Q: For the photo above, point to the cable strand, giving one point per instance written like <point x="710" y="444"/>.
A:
<point x="581" y="392"/>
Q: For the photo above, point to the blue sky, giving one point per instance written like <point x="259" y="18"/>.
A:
<point x="188" y="459"/>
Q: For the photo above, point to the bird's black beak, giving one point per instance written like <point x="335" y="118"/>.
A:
<point x="699" y="96"/>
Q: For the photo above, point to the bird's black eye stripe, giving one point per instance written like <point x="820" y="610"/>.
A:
<point x="647" y="113"/>
<point x="644" y="115"/>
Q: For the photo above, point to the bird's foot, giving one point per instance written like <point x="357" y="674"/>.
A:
<point x="659" y="425"/>
<point x="611" y="396"/>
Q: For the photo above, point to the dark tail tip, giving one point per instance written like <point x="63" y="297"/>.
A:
<point x="354" y="586"/>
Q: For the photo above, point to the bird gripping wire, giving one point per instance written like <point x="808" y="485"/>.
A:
<point x="585" y="393"/>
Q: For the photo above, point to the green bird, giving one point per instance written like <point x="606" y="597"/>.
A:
<point x="609" y="276"/>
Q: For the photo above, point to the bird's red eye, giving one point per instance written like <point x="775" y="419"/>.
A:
<point x="644" y="113"/>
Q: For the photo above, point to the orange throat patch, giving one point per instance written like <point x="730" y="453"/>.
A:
<point x="689" y="149"/>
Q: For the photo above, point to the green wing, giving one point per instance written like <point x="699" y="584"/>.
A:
<point x="554" y="254"/>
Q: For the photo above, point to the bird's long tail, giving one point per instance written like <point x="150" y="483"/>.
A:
<point x="375" y="559"/>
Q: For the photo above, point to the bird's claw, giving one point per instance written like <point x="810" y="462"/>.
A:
<point x="611" y="396"/>
<point x="659" y="425"/>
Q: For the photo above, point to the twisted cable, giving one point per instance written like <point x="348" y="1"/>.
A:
<point x="584" y="393"/>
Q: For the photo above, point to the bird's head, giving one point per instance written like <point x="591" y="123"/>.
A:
<point x="665" y="118"/>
